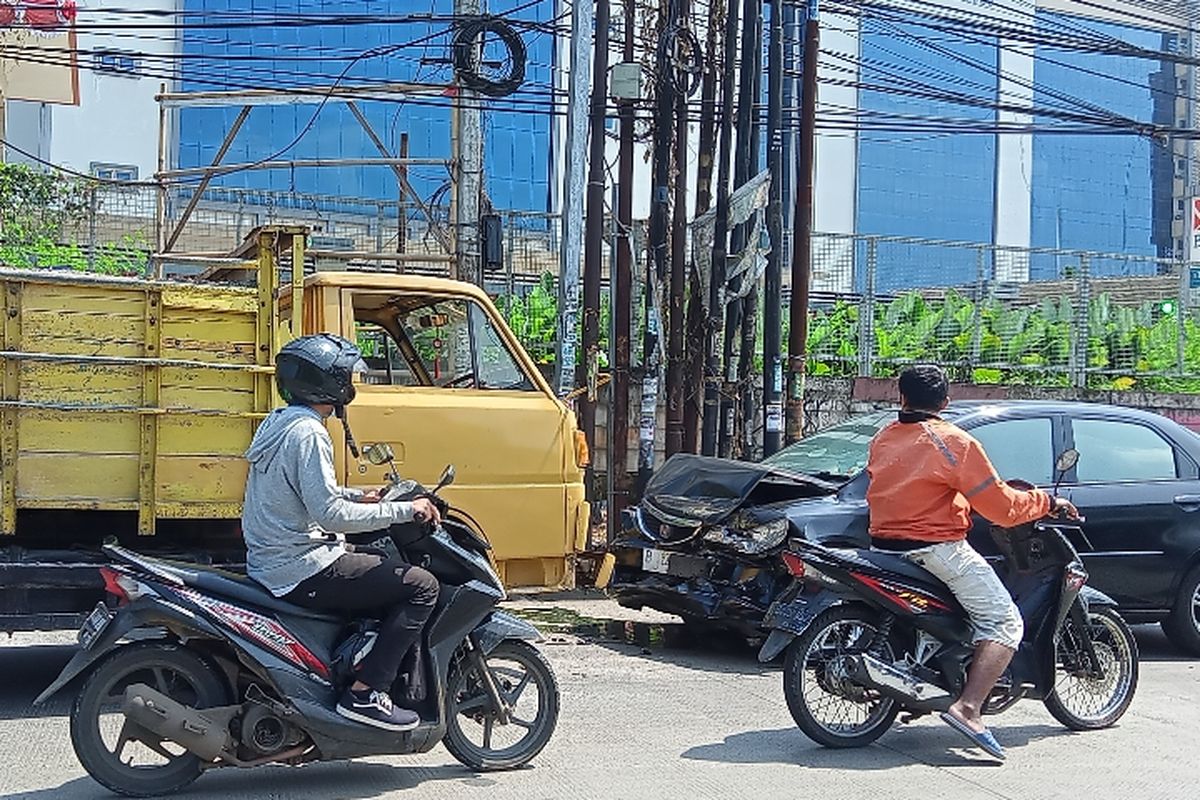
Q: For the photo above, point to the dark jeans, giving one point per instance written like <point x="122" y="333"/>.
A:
<point x="404" y="594"/>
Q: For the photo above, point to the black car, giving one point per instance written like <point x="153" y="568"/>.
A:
<point x="705" y="541"/>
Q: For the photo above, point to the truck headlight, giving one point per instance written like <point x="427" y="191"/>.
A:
<point x="751" y="541"/>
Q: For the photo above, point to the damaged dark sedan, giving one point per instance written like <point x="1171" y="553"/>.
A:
<point x="706" y="541"/>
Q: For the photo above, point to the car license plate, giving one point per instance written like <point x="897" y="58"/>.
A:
<point x="94" y="625"/>
<point x="655" y="560"/>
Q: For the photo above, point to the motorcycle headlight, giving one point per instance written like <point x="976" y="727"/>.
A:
<point x="751" y="541"/>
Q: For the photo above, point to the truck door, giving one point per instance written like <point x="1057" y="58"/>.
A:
<point x="445" y="386"/>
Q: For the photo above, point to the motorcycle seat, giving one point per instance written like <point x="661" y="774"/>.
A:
<point x="224" y="584"/>
<point x="890" y="562"/>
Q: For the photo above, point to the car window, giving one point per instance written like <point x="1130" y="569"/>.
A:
<point x="1019" y="448"/>
<point x="840" y="451"/>
<point x="1112" y="452"/>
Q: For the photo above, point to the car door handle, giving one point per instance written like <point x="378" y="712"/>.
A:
<point x="1188" y="502"/>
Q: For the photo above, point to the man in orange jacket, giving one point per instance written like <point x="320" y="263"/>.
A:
<point x="927" y="476"/>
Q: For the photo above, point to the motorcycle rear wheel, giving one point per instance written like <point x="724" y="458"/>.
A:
<point x="1083" y="703"/>
<point x="96" y="717"/>
<point x="517" y="667"/>
<point x="819" y="696"/>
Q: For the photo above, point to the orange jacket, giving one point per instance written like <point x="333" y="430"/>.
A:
<point x="927" y="476"/>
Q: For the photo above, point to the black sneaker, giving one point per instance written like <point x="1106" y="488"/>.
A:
<point x="371" y="707"/>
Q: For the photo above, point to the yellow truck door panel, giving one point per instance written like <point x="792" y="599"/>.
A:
<point x="446" y="383"/>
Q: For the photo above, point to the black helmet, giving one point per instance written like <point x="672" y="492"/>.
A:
<point x="318" y="369"/>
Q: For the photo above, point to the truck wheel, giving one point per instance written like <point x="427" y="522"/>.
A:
<point x="1183" y="626"/>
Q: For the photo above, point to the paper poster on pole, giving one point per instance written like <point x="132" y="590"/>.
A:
<point x="38" y="52"/>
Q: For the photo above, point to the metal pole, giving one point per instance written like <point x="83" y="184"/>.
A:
<point x="572" y="203"/>
<point x="622" y="304"/>
<point x="401" y="204"/>
<point x="594" y="232"/>
<point x="697" y="336"/>
<point x="1081" y="322"/>
<point x="716" y="288"/>
<point x="773" y="291"/>
<point x="750" y="301"/>
<point x="660" y="208"/>
<point x="741" y="174"/>
<point x="675" y="344"/>
<point x="802" y="246"/>
<point x="791" y="41"/>
<point x="469" y="185"/>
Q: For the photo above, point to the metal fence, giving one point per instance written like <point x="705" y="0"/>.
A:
<point x="1001" y="314"/>
<point x="991" y="314"/>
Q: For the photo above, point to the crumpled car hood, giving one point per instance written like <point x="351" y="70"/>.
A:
<point x="701" y="490"/>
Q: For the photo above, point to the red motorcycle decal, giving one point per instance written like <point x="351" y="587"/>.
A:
<point x="263" y="630"/>
<point x="904" y="596"/>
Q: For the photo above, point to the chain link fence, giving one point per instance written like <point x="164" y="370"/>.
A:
<point x="1002" y="315"/>
<point x="989" y="314"/>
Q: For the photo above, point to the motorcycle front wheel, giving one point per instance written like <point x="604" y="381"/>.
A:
<point x="828" y="706"/>
<point x="1081" y="701"/>
<point x="474" y="734"/>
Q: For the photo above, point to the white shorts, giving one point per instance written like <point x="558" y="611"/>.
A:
<point x="977" y="588"/>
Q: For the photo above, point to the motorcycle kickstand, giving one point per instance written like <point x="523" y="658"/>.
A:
<point x="479" y="662"/>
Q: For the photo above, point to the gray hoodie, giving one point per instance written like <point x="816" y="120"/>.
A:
<point x="294" y="507"/>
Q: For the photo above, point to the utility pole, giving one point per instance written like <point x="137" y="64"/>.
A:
<point x="773" y="292"/>
<point x="572" y="196"/>
<point x="594" y="231"/>
<point x="622" y="305"/>
<point x="675" y="345"/>
<point x="657" y="274"/>
<point x="802" y="245"/>
<point x="468" y="188"/>
<point x="696" y="334"/>
<point x="741" y="174"/>
<point x="750" y="301"/>
<point x="716" y="290"/>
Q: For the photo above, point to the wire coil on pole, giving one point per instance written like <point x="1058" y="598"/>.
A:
<point x="468" y="56"/>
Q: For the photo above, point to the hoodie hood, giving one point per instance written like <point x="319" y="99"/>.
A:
<point x="273" y="431"/>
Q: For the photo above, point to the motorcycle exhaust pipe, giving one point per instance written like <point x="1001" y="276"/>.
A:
<point x="867" y="670"/>
<point x="205" y="733"/>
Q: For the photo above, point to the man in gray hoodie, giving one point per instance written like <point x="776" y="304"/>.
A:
<point x="295" y="518"/>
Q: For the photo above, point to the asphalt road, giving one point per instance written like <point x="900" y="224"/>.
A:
<point x="672" y="723"/>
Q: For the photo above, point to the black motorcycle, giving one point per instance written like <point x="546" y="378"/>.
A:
<point x="200" y="668"/>
<point x="869" y="634"/>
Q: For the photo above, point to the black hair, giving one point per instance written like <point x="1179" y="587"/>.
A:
<point x="924" y="387"/>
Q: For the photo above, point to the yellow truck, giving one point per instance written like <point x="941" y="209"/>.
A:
<point x="127" y="405"/>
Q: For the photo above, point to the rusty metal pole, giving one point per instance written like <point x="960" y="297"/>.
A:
<point x="593" y="239"/>
<point x="675" y="312"/>
<point x="716" y="288"/>
<point x="802" y="243"/>
<point x="622" y="306"/>
<point x="696" y="336"/>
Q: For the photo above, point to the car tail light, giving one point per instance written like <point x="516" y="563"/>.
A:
<point x="794" y="563"/>
<point x="583" y="456"/>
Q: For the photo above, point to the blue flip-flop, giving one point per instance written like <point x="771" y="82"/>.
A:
<point x="983" y="740"/>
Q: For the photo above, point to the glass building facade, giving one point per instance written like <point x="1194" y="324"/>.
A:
<point x="517" y="142"/>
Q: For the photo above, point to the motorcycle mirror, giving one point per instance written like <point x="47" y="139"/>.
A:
<point x="379" y="453"/>
<point x="1067" y="461"/>
<point x="446" y="479"/>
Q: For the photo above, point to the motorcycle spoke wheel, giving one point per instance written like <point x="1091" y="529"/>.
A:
<point x="827" y="705"/>
<point x="475" y="735"/>
<point x="1086" y="702"/>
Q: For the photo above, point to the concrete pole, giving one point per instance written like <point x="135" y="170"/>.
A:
<point x="579" y="86"/>
<point x="468" y="189"/>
